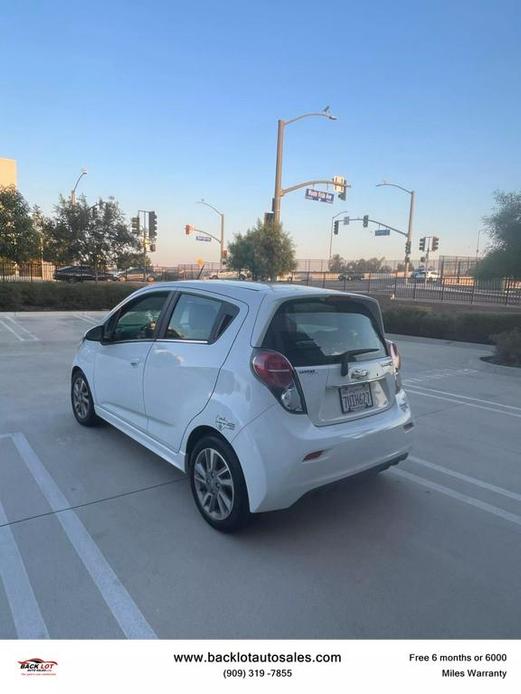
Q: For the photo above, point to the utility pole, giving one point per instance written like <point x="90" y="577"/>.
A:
<point x="281" y="125"/>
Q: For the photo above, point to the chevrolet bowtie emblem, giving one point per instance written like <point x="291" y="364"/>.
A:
<point x="358" y="374"/>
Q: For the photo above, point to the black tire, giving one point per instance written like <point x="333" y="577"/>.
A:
<point x="81" y="400"/>
<point x="227" y="471"/>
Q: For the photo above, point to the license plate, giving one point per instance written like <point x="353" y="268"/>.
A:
<point x="356" y="397"/>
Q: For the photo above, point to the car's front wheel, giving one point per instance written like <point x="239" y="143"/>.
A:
<point x="218" y="485"/>
<point x="81" y="400"/>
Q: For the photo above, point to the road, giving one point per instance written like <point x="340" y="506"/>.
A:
<point x="99" y="538"/>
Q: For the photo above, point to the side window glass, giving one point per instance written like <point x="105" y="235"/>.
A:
<point x="138" y="319"/>
<point x="193" y="318"/>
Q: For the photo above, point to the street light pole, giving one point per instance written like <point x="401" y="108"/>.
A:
<point x="409" y="226"/>
<point x="221" y="215"/>
<point x="281" y="125"/>
<point x="73" y="191"/>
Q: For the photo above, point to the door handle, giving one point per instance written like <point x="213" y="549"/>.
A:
<point x="135" y="362"/>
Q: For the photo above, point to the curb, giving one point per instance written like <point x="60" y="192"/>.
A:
<point x="514" y="371"/>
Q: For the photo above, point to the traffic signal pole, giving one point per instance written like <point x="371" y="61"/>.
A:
<point x="409" y="233"/>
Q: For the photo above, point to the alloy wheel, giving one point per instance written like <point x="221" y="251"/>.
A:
<point x="213" y="484"/>
<point x="81" y="397"/>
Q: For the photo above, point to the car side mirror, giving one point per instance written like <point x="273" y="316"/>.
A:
<point x="95" y="334"/>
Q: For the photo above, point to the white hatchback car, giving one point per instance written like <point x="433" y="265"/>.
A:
<point x="259" y="392"/>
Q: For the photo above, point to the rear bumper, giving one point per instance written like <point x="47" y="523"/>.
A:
<point x="272" y="449"/>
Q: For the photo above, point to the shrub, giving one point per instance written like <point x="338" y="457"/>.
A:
<point x="467" y="327"/>
<point x="28" y="296"/>
<point x="508" y="347"/>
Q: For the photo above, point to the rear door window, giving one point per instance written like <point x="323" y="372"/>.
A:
<point x="312" y="332"/>
<point x="193" y="318"/>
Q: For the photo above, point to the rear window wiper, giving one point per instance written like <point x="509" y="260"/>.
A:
<point x="346" y="356"/>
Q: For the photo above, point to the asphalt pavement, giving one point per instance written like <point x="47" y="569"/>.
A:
<point x="99" y="538"/>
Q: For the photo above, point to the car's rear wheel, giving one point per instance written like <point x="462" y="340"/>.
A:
<point x="81" y="400"/>
<point x="218" y="485"/>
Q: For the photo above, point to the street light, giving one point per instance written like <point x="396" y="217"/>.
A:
<point x="408" y="245"/>
<point x="73" y="191"/>
<point x="325" y="113"/>
<point x="221" y="215"/>
<point x="331" y="235"/>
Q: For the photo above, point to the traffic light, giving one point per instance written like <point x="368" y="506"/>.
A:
<point x="152" y="224"/>
<point x="422" y="243"/>
<point x="365" y="220"/>
<point x="152" y="247"/>
<point x="188" y="229"/>
<point x="407" y="248"/>
<point x="435" y="243"/>
<point x="135" y="224"/>
<point x="335" y="227"/>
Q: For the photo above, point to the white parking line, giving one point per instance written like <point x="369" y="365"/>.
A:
<point x="18" y="330"/>
<point x="87" y="319"/>
<point x="25" y="610"/>
<point x="120" y="603"/>
<point x="471" y="501"/>
<point x="466" y="397"/>
<point x="466" y="478"/>
<point x="462" y="402"/>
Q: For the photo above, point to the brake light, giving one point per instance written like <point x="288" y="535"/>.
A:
<point x="397" y="363"/>
<point x="277" y="374"/>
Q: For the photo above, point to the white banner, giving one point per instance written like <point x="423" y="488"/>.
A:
<point x="157" y="667"/>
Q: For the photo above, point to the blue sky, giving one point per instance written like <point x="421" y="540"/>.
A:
<point x="168" y="102"/>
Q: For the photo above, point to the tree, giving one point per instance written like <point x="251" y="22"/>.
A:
<point x="504" y="228"/>
<point x="337" y="263"/>
<point x="96" y="235"/>
<point x="19" y="240"/>
<point x="265" y="250"/>
<point x="369" y="265"/>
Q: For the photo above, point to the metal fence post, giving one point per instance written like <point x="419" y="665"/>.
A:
<point x="415" y="282"/>
<point x="369" y="282"/>
<point x="473" y="290"/>
<point x="345" y="280"/>
<point x="395" y="282"/>
<point x="323" y="280"/>
<point x="507" y="290"/>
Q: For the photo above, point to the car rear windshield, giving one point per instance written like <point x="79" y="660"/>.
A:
<point x="312" y="332"/>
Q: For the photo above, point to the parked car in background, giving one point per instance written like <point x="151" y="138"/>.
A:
<point x="350" y="276"/>
<point x="259" y="392"/>
<point x="138" y="274"/>
<point x="82" y="273"/>
<point x="422" y="275"/>
<point x="227" y="275"/>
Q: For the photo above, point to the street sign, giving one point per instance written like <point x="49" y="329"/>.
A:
<point x="346" y="220"/>
<point x="382" y="232"/>
<point x="203" y="238"/>
<point x="320" y="195"/>
<point x="339" y="183"/>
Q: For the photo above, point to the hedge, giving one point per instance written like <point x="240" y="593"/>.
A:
<point x="403" y="320"/>
<point x="55" y="296"/>
<point x="466" y="326"/>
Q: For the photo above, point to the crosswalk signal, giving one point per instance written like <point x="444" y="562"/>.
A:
<point x="407" y="248"/>
<point x="422" y="243"/>
<point x="188" y="229"/>
<point x="135" y="224"/>
<point x="365" y="220"/>
<point x="152" y="247"/>
<point x="335" y="227"/>
<point x="225" y="253"/>
<point x="435" y="243"/>
<point x="152" y="224"/>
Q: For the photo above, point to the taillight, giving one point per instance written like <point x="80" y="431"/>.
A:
<point x="275" y="371"/>
<point x="397" y="362"/>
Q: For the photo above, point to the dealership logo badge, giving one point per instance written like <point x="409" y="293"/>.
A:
<point x="37" y="666"/>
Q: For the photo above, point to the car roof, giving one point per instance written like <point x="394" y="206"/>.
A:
<point x="247" y="291"/>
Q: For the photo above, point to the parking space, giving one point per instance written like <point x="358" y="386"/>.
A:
<point x="99" y="537"/>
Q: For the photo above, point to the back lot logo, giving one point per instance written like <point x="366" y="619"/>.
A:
<point x="37" y="666"/>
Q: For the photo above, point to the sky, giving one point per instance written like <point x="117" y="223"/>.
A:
<point x="166" y="103"/>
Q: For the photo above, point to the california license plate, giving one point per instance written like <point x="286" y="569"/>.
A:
<point x="356" y="397"/>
